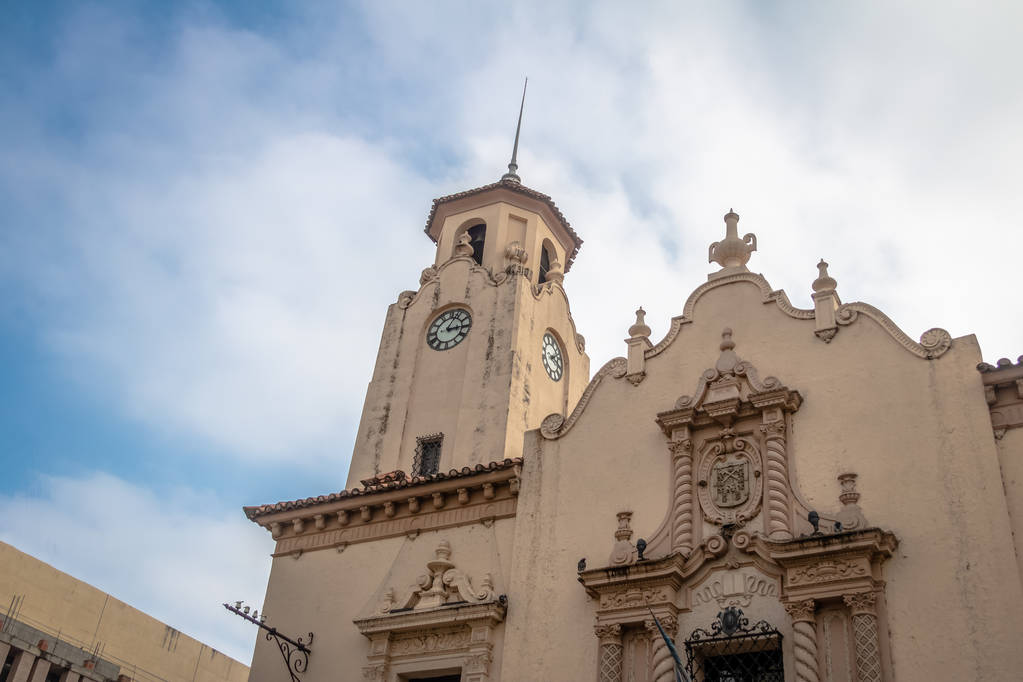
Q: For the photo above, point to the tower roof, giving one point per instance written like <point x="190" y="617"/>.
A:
<point x="511" y="192"/>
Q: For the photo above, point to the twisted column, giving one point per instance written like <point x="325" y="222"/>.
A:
<point x="609" y="666"/>
<point x="804" y="640"/>
<point x="776" y="485"/>
<point x="682" y="522"/>
<point x="662" y="665"/>
<point x="865" y="635"/>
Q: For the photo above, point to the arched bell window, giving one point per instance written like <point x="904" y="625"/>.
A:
<point x="546" y="255"/>
<point x="477" y="237"/>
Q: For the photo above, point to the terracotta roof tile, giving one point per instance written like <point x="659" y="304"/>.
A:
<point x="391" y="481"/>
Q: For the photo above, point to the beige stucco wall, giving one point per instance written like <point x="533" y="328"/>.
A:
<point x="484" y="393"/>
<point x="1010" y="457"/>
<point x="916" y="431"/>
<point x="144" y="647"/>
<point x="323" y="591"/>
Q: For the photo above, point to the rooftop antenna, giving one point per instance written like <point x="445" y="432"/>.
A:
<point x="511" y="175"/>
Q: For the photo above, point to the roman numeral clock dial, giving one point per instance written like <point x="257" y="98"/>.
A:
<point x="551" y="354"/>
<point x="448" y="329"/>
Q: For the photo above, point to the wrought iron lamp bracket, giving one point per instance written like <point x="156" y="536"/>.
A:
<point x="294" y="651"/>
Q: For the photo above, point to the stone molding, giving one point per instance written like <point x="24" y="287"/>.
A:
<point x="555" y="426"/>
<point x="933" y="343"/>
<point x="714" y="441"/>
<point x="442" y="584"/>
<point x="1003" y="390"/>
<point x="394" y="512"/>
<point x="832" y="566"/>
<point x="433" y="638"/>
<point x="840" y="568"/>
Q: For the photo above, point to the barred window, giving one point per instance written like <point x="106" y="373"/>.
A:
<point x="427" y="459"/>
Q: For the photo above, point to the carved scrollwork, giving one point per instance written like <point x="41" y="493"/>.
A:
<point x="445" y="584"/>
<point x="801" y="610"/>
<point x="826" y="570"/>
<point x="716" y="545"/>
<point x="634" y="596"/>
<point x="551" y="428"/>
<point x="778" y="297"/>
<point x="430" y="641"/>
<point x="608" y="631"/>
<point x="933" y="343"/>
<point x="860" y="602"/>
<point x="405" y="299"/>
<point x="428" y="274"/>
<point x="375" y="673"/>
<point x="551" y="425"/>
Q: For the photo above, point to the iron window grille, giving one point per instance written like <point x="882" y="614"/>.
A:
<point x="735" y="651"/>
<point x="427" y="459"/>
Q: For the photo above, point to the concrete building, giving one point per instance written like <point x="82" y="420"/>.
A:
<point x="56" y="628"/>
<point x="793" y="494"/>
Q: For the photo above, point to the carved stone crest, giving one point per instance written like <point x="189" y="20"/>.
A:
<point x="730" y="481"/>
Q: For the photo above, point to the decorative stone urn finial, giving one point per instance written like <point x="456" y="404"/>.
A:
<point x="640" y="328"/>
<point x="824" y="281"/>
<point x="728" y="359"/>
<point x="732" y="252"/>
<point x="556" y="273"/>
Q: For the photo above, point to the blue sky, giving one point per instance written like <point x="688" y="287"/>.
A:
<point x="206" y="209"/>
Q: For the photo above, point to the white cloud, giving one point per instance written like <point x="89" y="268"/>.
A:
<point x="237" y="241"/>
<point x="177" y="555"/>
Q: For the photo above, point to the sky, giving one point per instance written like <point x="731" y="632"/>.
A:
<point x="206" y="208"/>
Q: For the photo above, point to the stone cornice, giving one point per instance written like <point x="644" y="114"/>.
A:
<point x="490" y="613"/>
<point x="395" y="512"/>
<point x="1003" y="391"/>
<point x="347" y="499"/>
<point x="829" y="566"/>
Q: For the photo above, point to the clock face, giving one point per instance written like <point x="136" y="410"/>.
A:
<point x="551" y="354"/>
<point x="448" y="330"/>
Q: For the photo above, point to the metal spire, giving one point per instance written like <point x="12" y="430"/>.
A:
<point x="511" y="175"/>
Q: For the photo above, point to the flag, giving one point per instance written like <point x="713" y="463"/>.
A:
<point x="680" y="675"/>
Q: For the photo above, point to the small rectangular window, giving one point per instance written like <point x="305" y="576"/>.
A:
<point x="427" y="459"/>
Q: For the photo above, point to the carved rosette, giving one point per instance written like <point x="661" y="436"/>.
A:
<point x="662" y="665"/>
<point x="804" y="639"/>
<point x="682" y="523"/>
<point x="777" y="486"/>
<point x="610" y="662"/>
<point x="862" y="605"/>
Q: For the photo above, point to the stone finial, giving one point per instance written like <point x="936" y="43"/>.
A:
<point x="824" y="281"/>
<point x="728" y="360"/>
<point x="640" y="328"/>
<point x="623" y="551"/>
<point x="556" y="273"/>
<point x="463" y="246"/>
<point x="443" y="551"/>
<point x="515" y="254"/>
<point x="732" y="252"/>
<point x="848" y="485"/>
<point x="850" y="515"/>
<point x="624" y="530"/>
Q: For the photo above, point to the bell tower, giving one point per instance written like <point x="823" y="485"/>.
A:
<point x="486" y="347"/>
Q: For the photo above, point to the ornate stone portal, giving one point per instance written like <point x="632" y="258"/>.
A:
<point x="442" y="622"/>
<point x="745" y="535"/>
